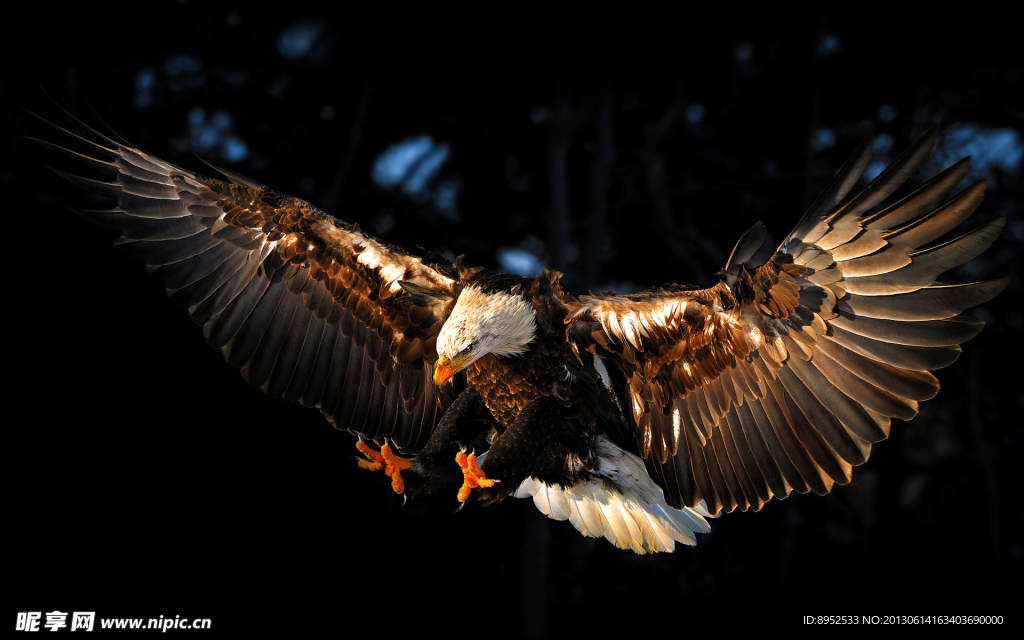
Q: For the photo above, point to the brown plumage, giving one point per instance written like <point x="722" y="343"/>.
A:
<point x="778" y="379"/>
<point x="781" y="377"/>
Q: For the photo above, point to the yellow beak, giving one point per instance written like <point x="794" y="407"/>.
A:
<point x="448" y="367"/>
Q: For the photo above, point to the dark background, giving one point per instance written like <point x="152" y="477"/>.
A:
<point x="145" y="478"/>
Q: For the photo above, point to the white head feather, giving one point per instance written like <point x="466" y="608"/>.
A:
<point x="499" y="323"/>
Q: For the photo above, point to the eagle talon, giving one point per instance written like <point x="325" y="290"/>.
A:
<point x="473" y="475"/>
<point x="392" y="464"/>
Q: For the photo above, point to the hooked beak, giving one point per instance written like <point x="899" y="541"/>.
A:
<point x="446" y="368"/>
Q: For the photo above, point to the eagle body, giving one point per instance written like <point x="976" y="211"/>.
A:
<point x="527" y="389"/>
<point x="635" y="417"/>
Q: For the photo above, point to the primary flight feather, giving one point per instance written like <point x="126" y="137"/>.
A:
<point x="634" y="417"/>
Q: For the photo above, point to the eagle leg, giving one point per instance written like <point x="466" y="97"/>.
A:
<point x="393" y="465"/>
<point x="473" y="475"/>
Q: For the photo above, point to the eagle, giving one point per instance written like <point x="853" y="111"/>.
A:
<point x="636" y="417"/>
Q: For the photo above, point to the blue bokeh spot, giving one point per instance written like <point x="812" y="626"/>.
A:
<point x="298" y="39"/>
<point x="519" y="262"/>
<point x="417" y="155"/>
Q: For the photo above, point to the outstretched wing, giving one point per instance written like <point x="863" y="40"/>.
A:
<point x="781" y="377"/>
<point x="309" y="307"/>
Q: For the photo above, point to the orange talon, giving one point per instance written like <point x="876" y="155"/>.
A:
<point x="392" y="464"/>
<point x="375" y="462"/>
<point x="473" y="475"/>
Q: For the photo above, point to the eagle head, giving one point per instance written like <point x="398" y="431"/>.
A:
<point x="482" y="322"/>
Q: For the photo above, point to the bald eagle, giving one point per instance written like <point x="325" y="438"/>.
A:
<point x="635" y="417"/>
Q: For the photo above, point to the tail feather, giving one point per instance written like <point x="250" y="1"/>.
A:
<point x="621" y="504"/>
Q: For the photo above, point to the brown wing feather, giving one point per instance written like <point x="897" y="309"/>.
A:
<point x="310" y="308"/>
<point x="780" y="378"/>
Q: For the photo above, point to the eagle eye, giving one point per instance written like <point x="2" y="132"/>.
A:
<point x="468" y="349"/>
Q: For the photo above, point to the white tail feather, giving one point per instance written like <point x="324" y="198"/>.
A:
<point x="624" y="505"/>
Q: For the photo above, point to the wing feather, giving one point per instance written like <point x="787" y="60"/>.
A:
<point x="731" y="495"/>
<point x="781" y="377"/>
<point x="307" y="306"/>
